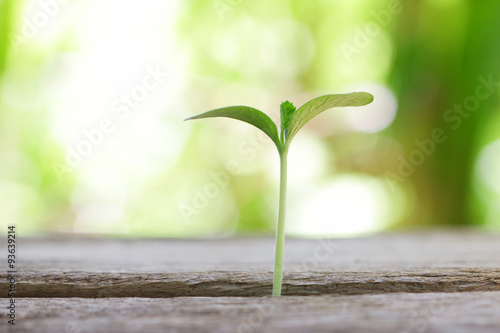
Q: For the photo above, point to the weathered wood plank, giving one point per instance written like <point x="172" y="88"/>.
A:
<point x="217" y="283"/>
<point x="417" y="262"/>
<point x="466" y="249"/>
<point x="402" y="313"/>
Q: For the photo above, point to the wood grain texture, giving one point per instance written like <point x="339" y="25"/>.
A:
<point x="389" y="263"/>
<point x="468" y="312"/>
<point x="218" y="283"/>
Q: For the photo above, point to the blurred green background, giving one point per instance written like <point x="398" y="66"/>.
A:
<point x="93" y="94"/>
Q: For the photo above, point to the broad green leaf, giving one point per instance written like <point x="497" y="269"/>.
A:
<point x="317" y="105"/>
<point x="249" y="115"/>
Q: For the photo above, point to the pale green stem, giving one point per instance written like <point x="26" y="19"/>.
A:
<point x="280" y="228"/>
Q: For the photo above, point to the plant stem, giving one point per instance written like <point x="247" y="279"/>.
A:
<point x="280" y="228"/>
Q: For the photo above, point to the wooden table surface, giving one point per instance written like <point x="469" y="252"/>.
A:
<point x="440" y="281"/>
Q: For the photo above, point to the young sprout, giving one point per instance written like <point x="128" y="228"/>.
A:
<point x="292" y="120"/>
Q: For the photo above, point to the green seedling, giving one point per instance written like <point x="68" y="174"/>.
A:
<point x="292" y="120"/>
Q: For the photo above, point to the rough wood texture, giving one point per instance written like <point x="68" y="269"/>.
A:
<point x="217" y="283"/>
<point x="418" y="262"/>
<point x="401" y="313"/>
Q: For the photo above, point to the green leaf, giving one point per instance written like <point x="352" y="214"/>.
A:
<point x="249" y="115"/>
<point x="286" y="111"/>
<point x="317" y="105"/>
